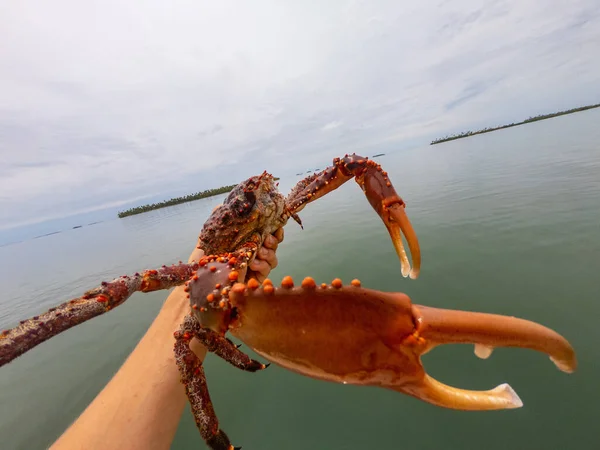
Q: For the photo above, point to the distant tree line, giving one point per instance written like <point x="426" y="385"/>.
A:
<point x="176" y="201"/>
<point x="465" y="134"/>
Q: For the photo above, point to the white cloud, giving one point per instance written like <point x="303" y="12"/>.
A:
<point x="105" y="101"/>
<point x="332" y="125"/>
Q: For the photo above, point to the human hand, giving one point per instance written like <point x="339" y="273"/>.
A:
<point x="266" y="259"/>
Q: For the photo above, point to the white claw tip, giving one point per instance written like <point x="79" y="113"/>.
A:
<point x="483" y="351"/>
<point x="562" y="365"/>
<point x="405" y="270"/>
<point x="509" y="395"/>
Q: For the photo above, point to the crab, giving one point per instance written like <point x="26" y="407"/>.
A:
<point x="334" y="332"/>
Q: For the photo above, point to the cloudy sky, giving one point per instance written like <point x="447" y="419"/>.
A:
<point x="103" y="102"/>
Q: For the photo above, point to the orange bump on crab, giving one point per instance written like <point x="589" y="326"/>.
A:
<point x="233" y="275"/>
<point x="413" y="340"/>
<point x="287" y="282"/>
<point x="309" y="283"/>
<point x="337" y="283"/>
<point x="268" y="289"/>
<point x="355" y="283"/>
<point x="240" y="288"/>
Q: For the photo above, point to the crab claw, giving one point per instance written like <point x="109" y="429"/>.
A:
<point x="391" y="208"/>
<point x="353" y="335"/>
<point x="396" y="220"/>
<point x="379" y="191"/>
<point x="486" y="331"/>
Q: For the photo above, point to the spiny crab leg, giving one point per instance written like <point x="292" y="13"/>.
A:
<point x="32" y="332"/>
<point x="383" y="336"/>
<point x="381" y="195"/>
<point x="194" y="379"/>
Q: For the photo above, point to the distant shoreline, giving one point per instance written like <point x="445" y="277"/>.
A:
<point x="178" y="200"/>
<point x="531" y="119"/>
<point x="175" y="201"/>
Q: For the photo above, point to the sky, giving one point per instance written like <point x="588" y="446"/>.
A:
<point x="107" y="103"/>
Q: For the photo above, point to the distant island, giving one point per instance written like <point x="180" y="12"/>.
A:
<point x="531" y="119"/>
<point x="178" y="200"/>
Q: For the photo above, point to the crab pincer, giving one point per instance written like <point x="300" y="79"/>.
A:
<point x="437" y="326"/>
<point x="380" y="193"/>
<point x="383" y="336"/>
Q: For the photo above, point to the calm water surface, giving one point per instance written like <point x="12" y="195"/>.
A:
<point x="509" y="222"/>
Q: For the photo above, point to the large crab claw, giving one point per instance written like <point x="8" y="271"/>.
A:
<point x="353" y="335"/>
<point x="435" y="326"/>
<point x="379" y="191"/>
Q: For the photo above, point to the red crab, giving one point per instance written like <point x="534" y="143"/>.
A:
<point x="346" y="334"/>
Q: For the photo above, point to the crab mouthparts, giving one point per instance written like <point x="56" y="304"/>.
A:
<point x="485" y="331"/>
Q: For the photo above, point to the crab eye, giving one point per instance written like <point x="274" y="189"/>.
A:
<point x="231" y="196"/>
<point x="250" y="198"/>
<point x="244" y="205"/>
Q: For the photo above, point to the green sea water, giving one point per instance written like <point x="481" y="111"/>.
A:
<point x="509" y="223"/>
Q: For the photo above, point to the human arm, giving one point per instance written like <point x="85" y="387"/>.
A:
<point x="141" y="406"/>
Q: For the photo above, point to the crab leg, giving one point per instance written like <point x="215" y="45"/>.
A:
<point x="383" y="336"/>
<point x="381" y="195"/>
<point x="221" y="346"/>
<point x="194" y="379"/>
<point x="32" y="332"/>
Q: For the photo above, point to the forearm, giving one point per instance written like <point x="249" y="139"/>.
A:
<point x="143" y="414"/>
<point x="141" y="406"/>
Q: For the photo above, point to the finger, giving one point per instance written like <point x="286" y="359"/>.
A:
<point x="271" y="242"/>
<point x="279" y="234"/>
<point x="256" y="275"/>
<point x="267" y="255"/>
<point x="260" y="267"/>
